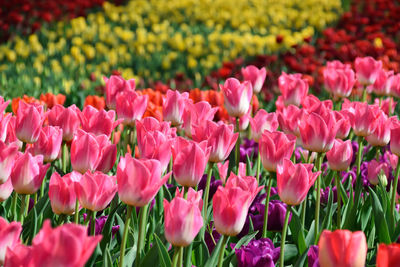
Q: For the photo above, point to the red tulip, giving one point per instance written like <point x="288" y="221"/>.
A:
<point x="263" y="121"/>
<point x="29" y="122"/>
<point x="8" y="155"/>
<point x="255" y="76"/>
<point x="174" y="106"/>
<point x="62" y="192"/>
<point x="9" y="237"/>
<point x="388" y="255"/>
<point x="98" y="121"/>
<point x="293" y="88"/>
<point x="340" y="156"/>
<point x="194" y="114"/>
<point x="49" y="143"/>
<point x="367" y="70"/>
<point x="65" y="118"/>
<point x="131" y="106"/>
<point x="114" y="85"/>
<point x="237" y="97"/>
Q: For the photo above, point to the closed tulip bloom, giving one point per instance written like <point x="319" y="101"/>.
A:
<point x="174" y="106"/>
<point x="255" y="76"/>
<point x="139" y="180"/>
<point x="395" y="140"/>
<point x="293" y="88"/>
<point x="3" y="104"/>
<point x="243" y="121"/>
<point x="380" y="136"/>
<point x="62" y="192"/>
<point x="223" y="170"/>
<point x="367" y="69"/>
<point x="28" y="173"/>
<point x="4" y="126"/>
<point x="49" y="143"/>
<point x="388" y="255"/>
<point x="343" y="124"/>
<point x="247" y="183"/>
<point x="114" y="85"/>
<point x="183" y="219"/>
<point x="190" y="162"/>
<point x="375" y="169"/>
<point x="363" y="117"/>
<point x="394" y="82"/>
<point x="29" y="122"/>
<point x="85" y="151"/>
<point x="5" y="190"/>
<point x="95" y="190"/>
<point x="294" y="181"/>
<point x="263" y="121"/>
<point x="150" y="124"/>
<point x="98" y="121"/>
<point x="9" y="237"/>
<point x="194" y="114"/>
<point x="274" y="147"/>
<point x="130" y="106"/>
<point x="289" y="119"/>
<point x="342" y="248"/>
<point x="337" y="64"/>
<point x="8" y="155"/>
<point x="65" y="118"/>
<point x="339" y="82"/>
<point x="382" y="84"/>
<point x="237" y="97"/>
<point x="340" y="156"/>
<point x="386" y="105"/>
<point x="108" y="154"/>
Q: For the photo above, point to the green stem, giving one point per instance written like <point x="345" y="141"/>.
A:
<point x="222" y="251"/>
<point x="142" y="232"/>
<point x="125" y="236"/>
<point x="206" y="193"/>
<point x="76" y="215"/>
<point x="24" y="207"/>
<point x="237" y="148"/>
<point x="93" y="223"/>
<point x="42" y="187"/>
<point x="284" y="230"/>
<point x="14" y="206"/>
<point x="180" y="261"/>
<point x="89" y="215"/>
<point x="185" y="191"/>
<point x="258" y="167"/>
<point x="364" y="95"/>
<point x="390" y="106"/>
<point x="339" y="200"/>
<point x="394" y="189"/>
<point x="264" y="232"/>
<point x="359" y="154"/>
<point x="303" y="212"/>
<point x="175" y="258"/>
<point x="170" y="170"/>
<point x="318" y="202"/>
<point x="64" y="157"/>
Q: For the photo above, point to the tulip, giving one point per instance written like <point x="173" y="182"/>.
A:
<point x="394" y="82"/>
<point x="339" y="82"/>
<point x="336" y="64"/>
<point x="247" y="183"/>
<point x="255" y="76"/>
<point x="342" y="124"/>
<point x="243" y="121"/>
<point x="340" y="156"/>
<point x="294" y="181"/>
<point x="289" y="119"/>
<point x="4" y="126"/>
<point x="62" y="192"/>
<point x="130" y="106"/>
<point x="190" y="161"/>
<point x="194" y="114"/>
<point x="174" y="106"/>
<point x="28" y="173"/>
<point x="85" y="151"/>
<point x="274" y="147"/>
<point x="375" y="169"/>
<point x="150" y="124"/>
<point x="311" y="103"/>
<point x="257" y="253"/>
<point x="342" y="248"/>
<point x="98" y="121"/>
<point x="9" y="237"/>
<point x="95" y="191"/>
<point x="8" y="155"/>
<point x="237" y="97"/>
<point x="29" y="122"/>
<point x="49" y="143"/>
<point x="363" y="117"/>
<point x="263" y="121"/>
<point x="395" y="140"/>
<point x="65" y="118"/>
<point x="183" y="219"/>
<point x="6" y="190"/>
<point x="380" y="136"/>
<point x="382" y="84"/>
<point x="114" y="85"/>
<point x="223" y="170"/>
<point x="108" y="154"/>
<point x="293" y="88"/>
<point x="367" y="70"/>
<point x="388" y="255"/>
<point x="387" y="105"/>
<point x="3" y="105"/>
<point x="20" y="255"/>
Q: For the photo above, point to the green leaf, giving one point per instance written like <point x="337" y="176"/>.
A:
<point x="310" y="234"/>
<point x="327" y="223"/>
<point x="290" y="252"/>
<point x="151" y="258"/>
<point x="107" y="234"/>
<point x="301" y="260"/>
<point x="249" y="171"/>
<point x="243" y="242"/>
<point x="107" y="259"/>
<point x="297" y="231"/>
<point x="213" y="260"/>
<point x="165" y="260"/>
<point x="379" y="216"/>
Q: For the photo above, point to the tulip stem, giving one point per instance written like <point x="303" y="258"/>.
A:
<point x="24" y="207"/>
<point x="88" y="215"/>
<point x="358" y="178"/>
<point x="64" y="157"/>
<point x="284" y="230"/>
<point x="185" y="191"/>
<point x="317" y="204"/>
<point x="175" y="258"/>
<point x="170" y="170"/>
<point x="394" y="189"/>
<point x="93" y="223"/>
<point x="76" y="215"/>
<point x="206" y="193"/>
<point x="14" y="206"/>
<point x="142" y="232"/>
<point x="222" y="251"/>
<point x="303" y="212"/>
<point x="237" y="148"/>
<point x="125" y="236"/>
<point x="359" y="155"/>
<point x="364" y="94"/>
<point x="264" y="232"/>
<point x="339" y="200"/>
<point x="258" y="167"/>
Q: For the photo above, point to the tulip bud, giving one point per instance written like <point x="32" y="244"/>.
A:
<point x="237" y="97"/>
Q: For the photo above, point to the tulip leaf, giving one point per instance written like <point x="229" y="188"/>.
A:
<point x="297" y="231"/>
<point x="243" y="242"/>
<point x="213" y="259"/>
<point x="290" y="252"/>
<point x="165" y="260"/>
<point x="310" y="234"/>
<point x="327" y="223"/>
<point x="365" y="215"/>
<point x="107" y="233"/>
<point x="188" y="256"/>
<point x="249" y="171"/>
<point x="130" y="257"/>
<point x="380" y="222"/>
<point x="107" y="259"/>
<point x="301" y="260"/>
<point x="151" y="258"/>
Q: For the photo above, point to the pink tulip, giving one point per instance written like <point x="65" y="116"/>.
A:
<point x="289" y="119"/>
<point x="255" y="76"/>
<point x="342" y="248"/>
<point x="3" y="105"/>
<point x="114" y="85"/>
<point x="339" y="82"/>
<point x="98" y="121"/>
<point x="223" y="170"/>
<point x="183" y="219"/>
<point x="130" y="106"/>
<point x="387" y="105"/>
<point x="237" y="97"/>
<point x="174" y="106"/>
<point x="139" y="180"/>
<point x="395" y="140"/>
<point x="311" y="103"/>
<point x="375" y="169"/>
<point x="220" y="137"/>
<point x="194" y="114"/>
<point x="380" y="136"/>
<point x="8" y="155"/>
<point x="293" y="88"/>
<point x="294" y="181"/>
<point x="274" y="147"/>
<point x="95" y="191"/>
<point x="9" y="237"/>
<point x="150" y="124"/>
<point x="28" y="173"/>
<point x="11" y="137"/>
<point x="247" y="183"/>
<point x="62" y="192"/>
<point x="263" y="121"/>
<point x="243" y="121"/>
<point x="343" y="124"/>
<point x="108" y="154"/>
<point x="49" y="143"/>
<point x="29" y="122"/>
<point x="4" y="126"/>
<point x="65" y="118"/>
<point x="85" y="152"/>
<point x="190" y="162"/>
<point x="340" y="156"/>
<point x="394" y="82"/>
<point x="363" y="117"/>
<point x="367" y="70"/>
<point x="336" y="64"/>
<point x="382" y="84"/>
<point x="5" y="190"/>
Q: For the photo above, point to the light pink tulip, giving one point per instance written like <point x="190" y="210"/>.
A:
<point x="9" y="237"/>
<point x="376" y="168"/>
<point x="342" y="248"/>
<point x="386" y="105"/>
<point x="114" y="85"/>
<point x="8" y="155"/>
<point x="367" y="69"/>
<point x="255" y="76"/>
<point x="194" y="114"/>
<point x="363" y="117"/>
<point x="336" y="64"/>
<point x="247" y="183"/>
<point x="343" y="124"/>
<point x="4" y="126"/>
<point x="28" y="173"/>
<point x="223" y="170"/>
<point x="381" y="135"/>
<point x="62" y="192"/>
<point x="340" y="156"/>
<point x="294" y="181"/>
<point x="289" y="119"/>
<point x="29" y="122"/>
<point x="263" y="121"/>
<point x="11" y="137"/>
<point x="49" y="143"/>
<point x="382" y="84"/>
<point x="139" y="180"/>
<point x="95" y="190"/>
<point x="293" y="88"/>
<point x="98" y="121"/>
<point x="237" y="97"/>
<point x="339" y="82"/>
<point x="183" y="219"/>
<point x="85" y="152"/>
<point x="395" y="140"/>
<point x="311" y="103"/>
<point x="130" y="106"/>
<point x="174" y="106"/>
<point x="394" y="82"/>
<point x="150" y="124"/>
<point x="5" y="190"/>
<point x="65" y="118"/>
<point x="274" y="147"/>
<point x="3" y="104"/>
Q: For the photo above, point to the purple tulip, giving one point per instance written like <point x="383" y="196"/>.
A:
<point x="312" y="254"/>
<point x="258" y="253"/>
